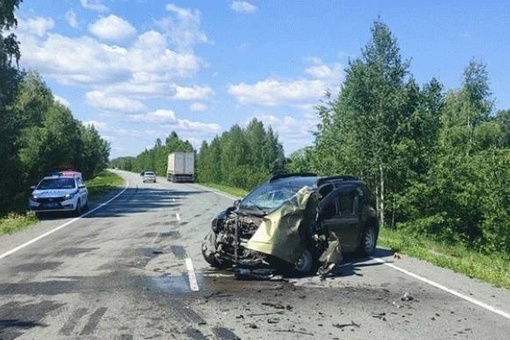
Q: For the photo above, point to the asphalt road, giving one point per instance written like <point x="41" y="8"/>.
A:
<point x="131" y="268"/>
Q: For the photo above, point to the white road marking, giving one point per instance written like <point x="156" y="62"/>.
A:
<point x="26" y="244"/>
<point x="444" y="288"/>
<point x="178" y="217"/>
<point x="191" y="275"/>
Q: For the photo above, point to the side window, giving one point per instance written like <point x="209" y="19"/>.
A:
<point x="349" y="203"/>
<point x="329" y="210"/>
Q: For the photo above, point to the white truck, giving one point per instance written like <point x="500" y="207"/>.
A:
<point x="181" y="167"/>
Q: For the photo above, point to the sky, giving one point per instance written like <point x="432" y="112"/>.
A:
<point x="139" y="69"/>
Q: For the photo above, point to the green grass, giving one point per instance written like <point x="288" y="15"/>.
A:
<point x="103" y="183"/>
<point x="97" y="186"/>
<point x="226" y="189"/>
<point x="491" y="268"/>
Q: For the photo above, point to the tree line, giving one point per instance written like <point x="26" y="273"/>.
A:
<point x="240" y="157"/>
<point x="37" y="133"/>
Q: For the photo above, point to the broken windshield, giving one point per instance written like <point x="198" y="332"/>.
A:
<point x="268" y="197"/>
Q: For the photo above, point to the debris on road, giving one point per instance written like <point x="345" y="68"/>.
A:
<point x="406" y="297"/>
<point x="341" y="326"/>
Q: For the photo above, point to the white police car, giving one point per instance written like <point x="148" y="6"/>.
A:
<point x="59" y="192"/>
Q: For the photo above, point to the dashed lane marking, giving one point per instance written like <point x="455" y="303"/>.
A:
<point x="193" y="284"/>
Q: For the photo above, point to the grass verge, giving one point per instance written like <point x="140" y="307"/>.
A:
<point x="226" y="189"/>
<point x="491" y="268"/>
<point x="97" y="186"/>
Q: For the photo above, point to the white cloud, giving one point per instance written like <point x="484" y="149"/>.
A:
<point x="197" y="107"/>
<point x="61" y="100"/>
<point x="182" y="27"/>
<point x="192" y="93"/>
<point x="243" y="6"/>
<point x="112" y="28"/>
<point x="301" y="92"/>
<point x="97" y="124"/>
<point x="148" y="62"/>
<point x="36" y="26"/>
<point x="103" y="101"/>
<point x="272" y="92"/>
<point x="94" y="5"/>
<point x="155" y="116"/>
<point x="71" y="19"/>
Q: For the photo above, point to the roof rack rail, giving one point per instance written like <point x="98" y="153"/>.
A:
<point x="323" y="180"/>
<point x="286" y="175"/>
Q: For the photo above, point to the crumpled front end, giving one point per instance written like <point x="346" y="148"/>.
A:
<point x="286" y="232"/>
<point x="242" y="239"/>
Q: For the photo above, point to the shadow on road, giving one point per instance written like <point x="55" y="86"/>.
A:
<point x="132" y="201"/>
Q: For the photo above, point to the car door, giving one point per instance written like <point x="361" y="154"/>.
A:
<point x="339" y="213"/>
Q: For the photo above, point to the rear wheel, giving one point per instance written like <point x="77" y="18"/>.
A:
<point x="368" y="241"/>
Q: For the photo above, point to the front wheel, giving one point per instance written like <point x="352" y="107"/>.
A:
<point x="304" y="263"/>
<point x="209" y="250"/>
<point x="77" y="210"/>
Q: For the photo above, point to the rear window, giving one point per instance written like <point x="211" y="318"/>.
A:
<point x="149" y="173"/>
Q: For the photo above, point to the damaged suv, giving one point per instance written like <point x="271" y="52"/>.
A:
<point x="301" y="222"/>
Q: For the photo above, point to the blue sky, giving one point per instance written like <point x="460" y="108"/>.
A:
<point x="140" y="69"/>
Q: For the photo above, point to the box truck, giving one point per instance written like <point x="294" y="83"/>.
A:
<point x="181" y="167"/>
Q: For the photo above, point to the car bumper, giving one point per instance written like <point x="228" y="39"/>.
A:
<point x="67" y="205"/>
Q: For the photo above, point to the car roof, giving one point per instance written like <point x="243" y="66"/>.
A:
<point x="311" y="179"/>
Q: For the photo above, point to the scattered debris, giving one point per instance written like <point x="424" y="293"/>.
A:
<point x="293" y="331"/>
<point x="217" y="294"/>
<point x="274" y="305"/>
<point x="352" y="324"/>
<point x="406" y="297"/>
<point x="273" y="320"/>
<point x="396" y="305"/>
<point x="397" y="256"/>
<point x="380" y="316"/>
<point x="257" y="274"/>
<point x="268" y="313"/>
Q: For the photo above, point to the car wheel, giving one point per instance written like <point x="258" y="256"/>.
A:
<point x="368" y="241"/>
<point x="77" y="211"/>
<point x="208" y="251"/>
<point x="86" y="206"/>
<point x="304" y="263"/>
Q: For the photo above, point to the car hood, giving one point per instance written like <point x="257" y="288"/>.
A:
<point x="53" y="192"/>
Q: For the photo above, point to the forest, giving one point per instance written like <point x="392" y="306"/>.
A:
<point x="38" y="134"/>
<point x="438" y="160"/>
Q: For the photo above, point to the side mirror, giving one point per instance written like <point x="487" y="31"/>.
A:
<point x="32" y="187"/>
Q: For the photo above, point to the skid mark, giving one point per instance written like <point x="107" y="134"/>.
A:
<point x="69" y="326"/>
<point x="225" y="333"/>
<point x="94" y="319"/>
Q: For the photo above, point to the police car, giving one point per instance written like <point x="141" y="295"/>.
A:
<point x="59" y="192"/>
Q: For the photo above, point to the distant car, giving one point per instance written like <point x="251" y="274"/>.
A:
<point x="149" y="176"/>
<point x="62" y="191"/>
<point x="290" y="218"/>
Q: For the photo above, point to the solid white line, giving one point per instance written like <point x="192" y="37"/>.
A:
<point x="191" y="275"/>
<point x="446" y="289"/>
<point x="12" y="251"/>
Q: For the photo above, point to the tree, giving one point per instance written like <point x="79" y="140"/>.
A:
<point x="362" y="128"/>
